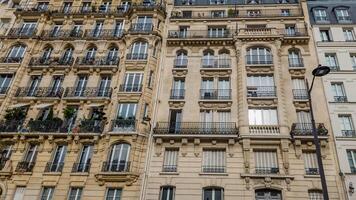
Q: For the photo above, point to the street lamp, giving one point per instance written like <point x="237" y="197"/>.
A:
<point x="318" y="72"/>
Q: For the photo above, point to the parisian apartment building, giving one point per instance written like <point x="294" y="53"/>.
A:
<point x="175" y="99"/>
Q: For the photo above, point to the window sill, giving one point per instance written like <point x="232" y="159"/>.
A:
<point x="213" y="174"/>
<point x="52" y="173"/>
<point x="79" y="174"/>
<point x="311" y="176"/>
<point x="169" y="173"/>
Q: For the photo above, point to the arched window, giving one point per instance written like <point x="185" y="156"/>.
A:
<point x="259" y="55"/>
<point x="16" y="54"/>
<point x="112" y="56"/>
<point x="46" y="55"/>
<point x="224" y="59"/>
<point x="118" y="160"/>
<point x="138" y="51"/>
<point x="315" y="195"/>
<point x="67" y="57"/>
<point x="213" y="193"/>
<point x="208" y="59"/>
<point x="181" y="60"/>
<point x="294" y="58"/>
<point x="90" y="55"/>
<point x="263" y="194"/>
<point x="167" y="193"/>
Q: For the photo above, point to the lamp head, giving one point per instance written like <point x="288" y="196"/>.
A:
<point x="321" y="70"/>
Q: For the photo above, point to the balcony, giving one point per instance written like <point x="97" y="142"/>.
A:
<point x="215" y="94"/>
<point x="65" y="62"/>
<point x="218" y="63"/>
<point x="3" y="90"/>
<point x="123" y="125"/>
<point x="81" y="167"/>
<point x="39" y="61"/>
<point x="48" y="92"/>
<point x="267" y="170"/>
<point x="11" y="126"/>
<point x="257" y="33"/>
<point x="180" y="63"/>
<point x="306" y="129"/>
<point x="264" y="129"/>
<point x="92" y="10"/>
<point x="33" y="9"/>
<point x="300" y="94"/>
<point x="261" y="91"/>
<point x="8" y="60"/>
<point x="311" y="171"/>
<point x="54" y="167"/>
<point x="22" y="33"/>
<point x="296" y="63"/>
<point x="348" y="133"/>
<point x="340" y="99"/>
<point x="91" y="126"/>
<point x="110" y="34"/>
<point x="63" y="35"/>
<point x="25" y="166"/>
<point x="259" y="60"/>
<point x="169" y="168"/>
<point x="130" y="88"/>
<point x="213" y="169"/>
<point x="117" y="171"/>
<point x="140" y="28"/>
<point x="136" y="56"/>
<point x="89" y="92"/>
<point x="295" y="32"/>
<point x="116" y="166"/>
<point x="199" y="34"/>
<point x="185" y="128"/>
<point x="177" y="94"/>
<point x="50" y="125"/>
<point x="101" y="62"/>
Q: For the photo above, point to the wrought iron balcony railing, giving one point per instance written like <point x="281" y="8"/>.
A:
<point x="39" y="92"/>
<point x="141" y="28"/>
<point x="39" y="61"/>
<point x="180" y="63"/>
<point x="37" y="8"/>
<point x="216" y="63"/>
<point x="11" y="59"/>
<point x="116" y="166"/>
<point x="196" y="128"/>
<point x="3" y="90"/>
<point x="123" y="125"/>
<point x="62" y="34"/>
<point x="348" y="133"/>
<point x="213" y="169"/>
<point x="22" y="32"/>
<point x="169" y="168"/>
<point x="136" y="56"/>
<point x="215" y="94"/>
<point x="54" y="167"/>
<point x="312" y="171"/>
<point x="296" y="62"/>
<point x="177" y="94"/>
<point x="296" y="32"/>
<point x="25" y="166"/>
<point x="306" y="129"/>
<point x="98" y="61"/>
<point x="130" y="88"/>
<point x="199" y="34"/>
<point x="300" y="94"/>
<point x="267" y="170"/>
<point x="63" y="61"/>
<point x="91" y="126"/>
<point x="85" y="10"/>
<point x="261" y="91"/>
<point x="103" y="34"/>
<point x="340" y="99"/>
<point x="11" y="126"/>
<point x="93" y="92"/>
<point x="3" y="163"/>
<point x="259" y="59"/>
<point x="49" y="125"/>
<point x="81" y="167"/>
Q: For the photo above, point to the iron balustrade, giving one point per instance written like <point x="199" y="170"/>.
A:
<point x="95" y="10"/>
<point x="261" y="91"/>
<point x="63" y="61"/>
<point x="300" y="94"/>
<point x="296" y="62"/>
<point x="213" y="169"/>
<point x="63" y="34"/>
<point x="81" y="167"/>
<point x="306" y="129"/>
<point x="141" y="28"/>
<point x="91" y="126"/>
<point x="169" y="168"/>
<point x="123" y="125"/>
<point x="130" y="88"/>
<point x="25" y="166"/>
<point x="294" y="32"/>
<point x="136" y="56"/>
<point x="116" y="166"/>
<point x="3" y="90"/>
<point x="149" y="7"/>
<point x="22" y="32"/>
<point x="98" y="61"/>
<point x="348" y="133"/>
<point x="196" y="34"/>
<point x="11" y="126"/>
<point x="39" y="61"/>
<point x="180" y="63"/>
<point x="11" y="60"/>
<point x="196" y="128"/>
<point x="49" y="125"/>
<point x="259" y="59"/>
<point x="312" y="171"/>
<point x="3" y="162"/>
<point x="215" y="94"/>
<point x="340" y="99"/>
<point x="54" y="167"/>
<point x="95" y="92"/>
<point x="34" y="8"/>
<point x="103" y="34"/>
<point x="216" y="63"/>
<point x="39" y="92"/>
<point x="177" y="94"/>
<point x="267" y="170"/>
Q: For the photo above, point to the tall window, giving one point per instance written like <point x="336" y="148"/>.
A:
<point x="112" y="56"/>
<point x="126" y="117"/>
<point x="58" y="159"/>
<point x="113" y="194"/>
<point x="217" y="32"/>
<point x="33" y="86"/>
<point x="133" y="82"/>
<point x="325" y="35"/>
<point x="331" y="61"/>
<point x="299" y="89"/>
<point x="81" y="85"/>
<point x="47" y="193"/>
<point x="262" y="117"/>
<point x="20" y="193"/>
<point x="351" y="156"/>
<point x="295" y="59"/>
<point x="67" y="56"/>
<point x="167" y="193"/>
<point x="75" y="193"/>
<point x="5" y="154"/>
<point x="56" y="29"/>
<point x="315" y="195"/>
<point x="347" y="127"/>
<point x="310" y="163"/>
<point x="338" y="92"/>
<point x="104" y="7"/>
<point x="259" y="55"/>
<point x="266" y="162"/>
<point x="46" y="55"/>
<point x="213" y="193"/>
<point x="90" y="55"/>
<point x="144" y="23"/>
<point x="16" y="53"/>
<point x="353" y="60"/>
<point x="349" y="34"/>
<point x="320" y="15"/>
<point x="118" y="160"/>
<point x="138" y="51"/>
<point x="263" y="194"/>
<point x="119" y="27"/>
<point x="214" y="161"/>
<point x="104" y="86"/>
<point x="175" y="119"/>
<point x="181" y="60"/>
<point x="28" y="28"/>
<point x="84" y="161"/>
<point x="5" y="81"/>
<point x="28" y="162"/>
<point x="67" y="7"/>
<point x="98" y="27"/>
<point x="170" y="160"/>
<point x="342" y="15"/>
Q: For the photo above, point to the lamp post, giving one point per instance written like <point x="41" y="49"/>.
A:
<point x="318" y="72"/>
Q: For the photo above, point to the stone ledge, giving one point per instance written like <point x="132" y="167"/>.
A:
<point x="213" y="174"/>
<point x="273" y="176"/>
<point x="169" y="173"/>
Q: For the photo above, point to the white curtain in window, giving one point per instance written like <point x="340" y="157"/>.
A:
<point x="214" y="158"/>
<point x="263" y="117"/>
<point x="266" y="159"/>
<point x="20" y="193"/>
<point x="310" y="160"/>
<point x="170" y="157"/>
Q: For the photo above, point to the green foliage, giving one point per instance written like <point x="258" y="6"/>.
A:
<point x="69" y="112"/>
<point x="17" y="114"/>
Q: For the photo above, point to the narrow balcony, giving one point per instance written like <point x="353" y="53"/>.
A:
<point x="254" y="33"/>
<point x="259" y="60"/>
<point x="306" y="129"/>
<point x="199" y="34"/>
<point x="296" y="32"/>
<point x="22" y="33"/>
<point x="348" y="133"/>
<point x="25" y="166"/>
<point x="50" y="125"/>
<point x="110" y="34"/>
<point x="180" y="63"/>
<point x="340" y="99"/>
<point x="81" y="167"/>
<point x="39" y="61"/>
<point x="116" y="166"/>
<point x="65" y="62"/>
<point x="213" y="169"/>
<point x="33" y="9"/>
<point x="48" y="92"/>
<point x="91" y="126"/>
<point x="101" y="62"/>
<point x="185" y="128"/>
<point x="149" y="7"/>
<point x="300" y="94"/>
<point x="123" y="125"/>
<point x="267" y="170"/>
<point x="218" y="63"/>
<point x="296" y="63"/>
<point x="117" y="171"/>
<point x="11" y="126"/>
<point x="63" y="35"/>
<point x="54" y="167"/>
<point x="177" y="94"/>
<point x="264" y="130"/>
<point x="169" y="168"/>
<point x="129" y="88"/>
<point x="89" y="92"/>
<point x="10" y="60"/>
<point x="136" y="56"/>
<point x="141" y="28"/>
<point x="261" y="91"/>
<point x="311" y="171"/>
<point x="215" y="94"/>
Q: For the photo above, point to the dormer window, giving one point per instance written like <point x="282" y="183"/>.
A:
<point x="320" y="15"/>
<point x="342" y="15"/>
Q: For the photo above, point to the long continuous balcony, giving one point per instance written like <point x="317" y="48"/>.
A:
<point x="25" y="166"/>
<point x="259" y="60"/>
<point x="63" y="35"/>
<point x="221" y="63"/>
<point x="116" y="166"/>
<point x="98" y="61"/>
<point x="34" y="9"/>
<point x="190" y="3"/>
<point x="103" y="34"/>
<point x="300" y="94"/>
<point x="11" y="126"/>
<point x="39" y="92"/>
<point x="89" y="92"/>
<point x="213" y="169"/>
<point x="90" y="10"/>
<point x="261" y="91"/>
<point x="9" y="60"/>
<point x="199" y="34"/>
<point x="54" y="167"/>
<point x="123" y="125"/>
<point x="215" y="94"/>
<point x="39" y="61"/>
<point x="50" y="126"/>
<point x="141" y="28"/>
<point x="209" y="128"/>
<point x="22" y="33"/>
<point x="306" y="129"/>
<point x="65" y="62"/>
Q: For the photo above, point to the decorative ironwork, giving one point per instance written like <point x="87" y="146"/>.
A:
<point x="3" y="90"/>
<point x="93" y="10"/>
<point x="267" y="170"/>
<point x="348" y="133"/>
<point x="63" y="34"/>
<point x="81" y="167"/>
<point x="91" y="126"/>
<point x="261" y="91"/>
<point x="300" y="94"/>
<point x="33" y="8"/>
<point x="54" y="167"/>
<point x="39" y="92"/>
<point x="50" y="125"/>
<point x="116" y="166"/>
<point x="199" y="34"/>
<point x="97" y="61"/>
<point x="141" y="28"/>
<point x="216" y="63"/>
<point x="312" y="171"/>
<point x="306" y="129"/>
<point x="25" y="166"/>
<point x="11" y="126"/>
<point x="39" y="61"/>
<point x="104" y="34"/>
<point x="294" y="32"/>
<point x="259" y="59"/>
<point x="22" y="32"/>
<point x="177" y="94"/>
<point x="136" y="56"/>
<point x="196" y="128"/>
<point x="11" y="59"/>
<point x="169" y="168"/>
<point x="215" y="94"/>
<point x="123" y="125"/>
<point x="213" y="169"/>
<point x="130" y="88"/>
<point x="340" y="99"/>
<point x="96" y="92"/>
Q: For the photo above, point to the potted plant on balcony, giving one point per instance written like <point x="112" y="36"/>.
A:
<point x="232" y="13"/>
<point x="322" y="130"/>
<point x="69" y="115"/>
<point x="14" y="119"/>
